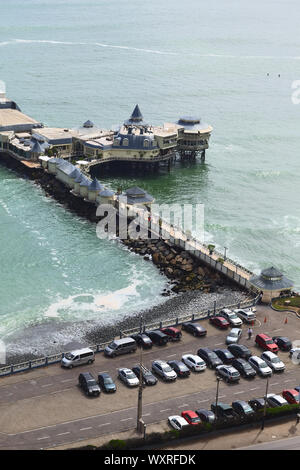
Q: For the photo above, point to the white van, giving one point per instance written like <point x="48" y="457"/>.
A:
<point x="78" y="357"/>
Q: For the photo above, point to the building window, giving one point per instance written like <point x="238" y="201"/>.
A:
<point x="146" y="143"/>
<point x="125" y="142"/>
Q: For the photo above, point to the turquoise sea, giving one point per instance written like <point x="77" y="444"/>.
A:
<point x="66" y="61"/>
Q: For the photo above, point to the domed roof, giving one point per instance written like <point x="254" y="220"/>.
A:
<point x="84" y="181"/>
<point x="95" y="185"/>
<point x="272" y="272"/>
<point x="135" y="191"/>
<point x="88" y="124"/>
<point x="189" y="120"/>
<point x="271" y="279"/>
<point x="106" y="193"/>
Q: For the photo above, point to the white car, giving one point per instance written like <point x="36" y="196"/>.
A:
<point x="247" y="315"/>
<point x="163" y="369"/>
<point x="128" y="377"/>
<point x="260" y="366"/>
<point x="275" y="400"/>
<point x="273" y="361"/>
<point x="234" y="336"/>
<point x="231" y="316"/>
<point x="177" y="422"/>
<point x="194" y="362"/>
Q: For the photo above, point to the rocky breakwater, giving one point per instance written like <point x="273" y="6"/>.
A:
<point x="185" y="272"/>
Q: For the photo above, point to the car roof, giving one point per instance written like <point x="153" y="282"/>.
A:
<point x="125" y="369"/>
<point x="81" y="351"/>
<point x="103" y="374"/>
<point x="240" y="402"/>
<point x="293" y="391"/>
<point x="190" y="413"/>
<point x="269" y="354"/>
<point x="179" y="418"/>
<point x="263" y="336"/>
<point x="257" y="358"/>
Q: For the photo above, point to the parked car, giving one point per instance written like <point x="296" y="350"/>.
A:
<point x="194" y="328"/>
<point x="78" y="358"/>
<point x="228" y="373"/>
<point x="220" y="322"/>
<point x="147" y="376"/>
<point x="225" y="355"/>
<point x="260" y="366"/>
<point x="275" y="401"/>
<point x="266" y="343"/>
<point x="244" y="368"/>
<point x="191" y="417"/>
<point x="120" y="346"/>
<point x="180" y="368"/>
<point x="106" y="383"/>
<point x="239" y="350"/>
<point x="173" y="333"/>
<point x="88" y="384"/>
<point x="158" y="337"/>
<point x="273" y="361"/>
<point x="142" y="340"/>
<point x="291" y="395"/>
<point x="164" y="371"/>
<point x="247" y="315"/>
<point x="295" y="353"/>
<point x="242" y="408"/>
<point x="257" y="403"/>
<point x="206" y="416"/>
<point x="209" y="357"/>
<point x="194" y="362"/>
<point x="231" y="316"/>
<point x="177" y="422"/>
<point x="282" y="342"/>
<point x="223" y="411"/>
<point x="234" y="336"/>
<point x="128" y="377"/>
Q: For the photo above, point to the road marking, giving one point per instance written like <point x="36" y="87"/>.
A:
<point x="85" y="429"/>
<point x="288" y="380"/>
<point x="167" y="409"/>
<point x="187" y="352"/>
<point x="147" y="414"/>
<point x="222" y="396"/>
<point x="63" y="433"/>
<point x="183" y="406"/>
<point x="104" y="424"/>
<point x="255" y="388"/>
<point x="279" y="329"/>
<point x="202" y="401"/>
<point x="66" y="380"/>
<point x="275" y="384"/>
<point x="46" y="385"/>
<point x="171" y="355"/>
<point x="41" y="438"/>
<point x="237" y="393"/>
<point x="126" y="419"/>
<point x="218" y="344"/>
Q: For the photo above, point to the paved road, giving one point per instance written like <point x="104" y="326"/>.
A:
<point x="291" y="443"/>
<point x="45" y="408"/>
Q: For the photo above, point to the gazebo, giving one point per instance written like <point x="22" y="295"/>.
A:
<point x="272" y="283"/>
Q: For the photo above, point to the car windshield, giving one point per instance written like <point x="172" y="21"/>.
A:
<point x="167" y="368"/>
<point x="275" y="360"/>
<point x="269" y="341"/>
<point x="130" y="375"/>
<point x="195" y="420"/>
<point x="234" y="333"/>
<point x="69" y="356"/>
<point x="112" y="345"/>
<point x="262" y="364"/>
<point x="91" y="382"/>
<point x="232" y="315"/>
<point x="247" y="408"/>
<point x="234" y="373"/>
<point x="108" y="380"/>
<point x="247" y="366"/>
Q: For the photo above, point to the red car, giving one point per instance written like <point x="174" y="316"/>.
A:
<point x="266" y="343"/>
<point x="191" y="417"/>
<point x="291" y="395"/>
<point x="174" y="333"/>
<point x="220" y="322"/>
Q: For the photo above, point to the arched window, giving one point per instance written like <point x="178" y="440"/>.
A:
<point x="125" y="142"/>
<point x="146" y="142"/>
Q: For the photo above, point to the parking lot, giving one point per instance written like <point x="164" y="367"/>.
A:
<point x="45" y="407"/>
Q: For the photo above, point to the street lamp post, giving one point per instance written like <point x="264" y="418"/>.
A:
<point x="140" y="422"/>
<point x="217" y="395"/>
<point x="265" y="406"/>
<point x="225" y="251"/>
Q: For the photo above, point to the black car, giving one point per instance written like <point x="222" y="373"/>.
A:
<point x="225" y="355"/>
<point x="194" y="328"/>
<point x="158" y="337"/>
<point x="143" y="340"/>
<point x="88" y="384"/>
<point x="209" y="357"/>
<point x="257" y="403"/>
<point x="180" y="368"/>
<point x="223" y="411"/>
<point x="206" y="416"/>
<point x="282" y="342"/>
<point x="244" y="368"/>
<point x="242" y="408"/>
<point x="148" y="377"/>
<point x="239" y="350"/>
<point x="106" y="382"/>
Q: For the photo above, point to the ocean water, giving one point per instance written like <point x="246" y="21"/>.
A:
<point x="66" y="61"/>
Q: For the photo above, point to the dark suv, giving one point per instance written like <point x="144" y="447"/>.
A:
<point x="158" y="337"/>
<point x="88" y="384"/>
<point x="211" y="359"/>
<point x="142" y="340"/>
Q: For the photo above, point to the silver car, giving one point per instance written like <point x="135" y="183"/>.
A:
<point x="163" y="369"/>
<point x="231" y="316"/>
<point x="128" y="377"/>
<point x="273" y="361"/>
<point x="260" y="366"/>
<point x="275" y="400"/>
<point x="234" y="336"/>
<point x="247" y="315"/>
<point x="228" y="373"/>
